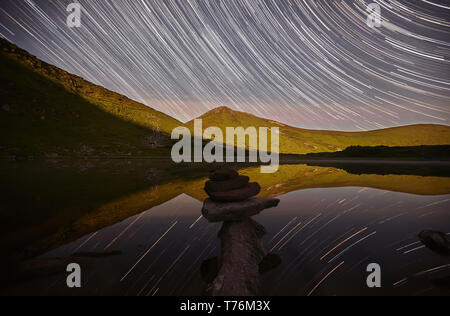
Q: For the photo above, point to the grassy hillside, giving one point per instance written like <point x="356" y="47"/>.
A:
<point x="301" y="141"/>
<point x="47" y="111"/>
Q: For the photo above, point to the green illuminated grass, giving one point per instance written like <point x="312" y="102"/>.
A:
<point x="302" y="141"/>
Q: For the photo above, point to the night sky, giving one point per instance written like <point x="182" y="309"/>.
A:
<point x="312" y="64"/>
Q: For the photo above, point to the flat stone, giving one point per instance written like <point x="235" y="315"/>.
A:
<point x="236" y="211"/>
<point x="436" y="241"/>
<point x="223" y="174"/>
<point x="227" y="185"/>
<point x="242" y="194"/>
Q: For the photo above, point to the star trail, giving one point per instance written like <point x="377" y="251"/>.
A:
<point x="312" y="64"/>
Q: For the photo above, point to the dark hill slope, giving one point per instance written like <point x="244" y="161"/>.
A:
<point x="47" y="111"/>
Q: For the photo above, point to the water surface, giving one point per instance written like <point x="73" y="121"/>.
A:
<point x="329" y="226"/>
<point x="314" y="231"/>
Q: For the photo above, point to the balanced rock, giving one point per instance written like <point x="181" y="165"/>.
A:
<point x="241" y="194"/>
<point x="223" y="174"/>
<point x="237" y="211"/>
<point x="436" y="241"/>
<point x="227" y="185"/>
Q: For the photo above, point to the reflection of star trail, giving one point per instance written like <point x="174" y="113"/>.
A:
<point x="415" y="249"/>
<point x="124" y="231"/>
<point x="343" y="242"/>
<point x="425" y="272"/>
<point x="85" y="242"/>
<point x="325" y="277"/>
<point x="392" y="218"/>
<point x="432" y="204"/>
<point x="447" y="266"/>
<point x="148" y="251"/>
<point x="351" y="246"/>
<point x="153" y="291"/>
<point x="199" y="218"/>
<point x="297" y="232"/>
<point x="407" y="246"/>
<point x="307" y="63"/>
<point x="341" y="232"/>
<point x="283" y="229"/>
<point x="284" y="237"/>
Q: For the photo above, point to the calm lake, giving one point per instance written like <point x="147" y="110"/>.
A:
<point x="329" y="226"/>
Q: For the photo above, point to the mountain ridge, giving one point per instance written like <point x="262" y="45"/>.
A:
<point x="226" y="109"/>
<point x="294" y="140"/>
<point x="88" y="90"/>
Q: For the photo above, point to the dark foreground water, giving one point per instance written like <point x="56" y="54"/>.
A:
<point x="326" y="238"/>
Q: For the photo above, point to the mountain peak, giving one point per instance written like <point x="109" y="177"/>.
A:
<point x="220" y="109"/>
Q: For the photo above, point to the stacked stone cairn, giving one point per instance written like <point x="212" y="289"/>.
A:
<point x="237" y="271"/>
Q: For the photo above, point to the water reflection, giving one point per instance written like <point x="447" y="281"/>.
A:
<point x="328" y="227"/>
<point x="236" y="272"/>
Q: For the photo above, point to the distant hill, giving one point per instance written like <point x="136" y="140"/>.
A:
<point x="47" y="111"/>
<point x="302" y="141"/>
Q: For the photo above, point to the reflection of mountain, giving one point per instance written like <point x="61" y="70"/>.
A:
<point x="298" y="177"/>
<point x="49" y="112"/>
<point x="46" y="205"/>
<point x="41" y="198"/>
<point x="416" y="168"/>
<point x="289" y="178"/>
